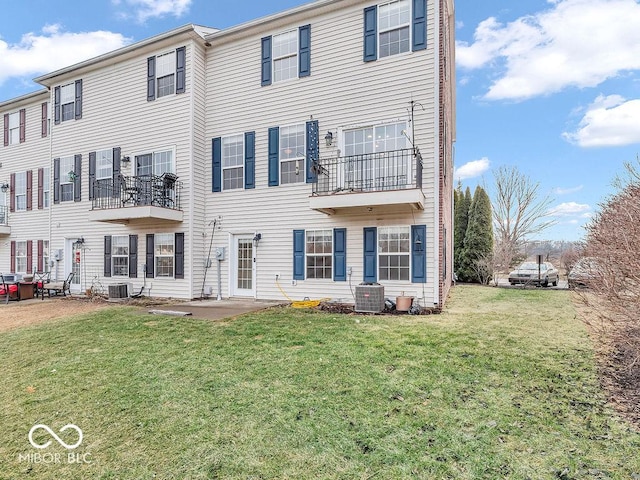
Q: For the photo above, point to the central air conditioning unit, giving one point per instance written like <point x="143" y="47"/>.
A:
<point x="119" y="290"/>
<point x="369" y="298"/>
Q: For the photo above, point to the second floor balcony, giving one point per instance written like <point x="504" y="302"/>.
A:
<point x="137" y="198"/>
<point x="369" y="180"/>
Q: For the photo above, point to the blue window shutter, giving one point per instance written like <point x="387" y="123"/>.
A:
<point x="92" y="174"/>
<point x="151" y="79"/>
<point x="340" y="254"/>
<point x="216" y="177"/>
<point x="181" y="54"/>
<point x="107" y="256"/>
<point x="150" y="254"/>
<point x="78" y="104"/>
<point x="115" y="174"/>
<point x="56" y="105"/>
<point x="418" y="253"/>
<point x="419" y="25"/>
<point x="266" y="61"/>
<point x="313" y="151"/>
<point x="274" y="140"/>
<point x="370" y="33"/>
<point x="179" y="255"/>
<point x="77" y="183"/>
<point x="56" y="180"/>
<point x="304" y="54"/>
<point x="249" y="159"/>
<point x="370" y="254"/>
<point x="133" y="256"/>
<point x="298" y="254"/>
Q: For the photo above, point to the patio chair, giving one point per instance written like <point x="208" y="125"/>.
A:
<point x="40" y="279"/>
<point x="8" y="290"/>
<point x="58" y="287"/>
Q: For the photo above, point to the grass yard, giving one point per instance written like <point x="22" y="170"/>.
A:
<point x="500" y="386"/>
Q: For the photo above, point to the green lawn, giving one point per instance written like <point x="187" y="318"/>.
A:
<point x="501" y="385"/>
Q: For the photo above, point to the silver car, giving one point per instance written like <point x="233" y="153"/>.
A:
<point x="529" y="274"/>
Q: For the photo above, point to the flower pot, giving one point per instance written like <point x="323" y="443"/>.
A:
<point x="403" y="304"/>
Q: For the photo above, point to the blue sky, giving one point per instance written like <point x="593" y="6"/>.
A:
<point x="549" y="86"/>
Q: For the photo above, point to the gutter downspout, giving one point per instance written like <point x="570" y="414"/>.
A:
<point x="436" y="156"/>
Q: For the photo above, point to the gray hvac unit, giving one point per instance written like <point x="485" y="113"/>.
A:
<point x="119" y="290"/>
<point x="369" y="298"/>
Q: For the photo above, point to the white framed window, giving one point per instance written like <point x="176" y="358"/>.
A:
<point x="164" y="249"/>
<point x="21" y="191"/>
<point x="233" y="162"/>
<point x="104" y="172"/>
<point x="292" y="154"/>
<point x="371" y="166"/>
<point x="394" y="253"/>
<point x="165" y="73"/>
<point x="68" y="102"/>
<point x="21" y="257"/>
<point x="319" y="253"/>
<point x="155" y="163"/>
<point x="66" y="180"/>
<point x="14" y="128"/>
<point x="394" y="28"/>
<point x="45" y="255"/>
<point x="46" y="187"/>
<point x="120" y="255"/>
<point x="285" y="56"/>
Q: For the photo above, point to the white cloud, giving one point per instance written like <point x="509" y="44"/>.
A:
<point x="578" y="43"/>
<point x="53" y="49"/>
<point x="609" y="121"/>
<point x="570" y="209"/>
<point x="472" y="169"/>
<point x="567" y="191"/>
<point x="142" y="10"/>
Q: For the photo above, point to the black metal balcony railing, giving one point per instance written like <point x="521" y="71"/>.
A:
<point x="158" y="190"/>
<point x="369" y="172"/>
<point x="4" y="217"/>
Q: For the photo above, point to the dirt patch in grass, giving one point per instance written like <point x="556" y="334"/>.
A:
<point x="36" y="311"/>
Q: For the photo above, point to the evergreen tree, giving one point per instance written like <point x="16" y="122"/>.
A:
<point x="462" y="203"/>
<point x="478" y="240"/>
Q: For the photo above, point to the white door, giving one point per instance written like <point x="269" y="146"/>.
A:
<point x="73" y="255"/>
<point x="243" y="266"/>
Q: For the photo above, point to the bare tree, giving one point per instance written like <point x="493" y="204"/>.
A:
<point x="519" y="211"/>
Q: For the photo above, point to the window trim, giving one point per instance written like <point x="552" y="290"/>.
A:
<point x="156" y="256"/>
<point x="308" y="255"/>
<point x="20" y="191"/>
<point x="242" y="166"/>
<point x="302" y="158"/>
<point x="294" y="56"/>
<point x="398" y="27"/>
<point x="25" y="257"/>
<point x="407" y="254"/>
<point x="114" y="255"/>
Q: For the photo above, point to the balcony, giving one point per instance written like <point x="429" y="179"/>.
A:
<point x="383" y="179"/>
<point x="5" y="229"/>
<point x="144" y="198"/>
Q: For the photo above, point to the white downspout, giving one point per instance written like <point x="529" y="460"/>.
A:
<point x="436" y="156"/>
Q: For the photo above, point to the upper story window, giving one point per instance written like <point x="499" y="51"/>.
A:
<point x="395" y="27"/>
<point x="68" y="102"/>
<point x="104" y="164"/>
<point x="14" y="127"/>
<point x="378" y="138"/>
<point x="46" y="187"/>
<point x="166" y="74"/>
<point x="292" y="154"/>
<point x="67" y="176"/>
<point x="232" y="162"/>
<point x="155" y="163"/>
<point x="394" y="20"/>
<point x="21" y="191"/>
<point x="286" y="55"/>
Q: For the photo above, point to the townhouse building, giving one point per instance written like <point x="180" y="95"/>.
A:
<point x="294" y="156"/>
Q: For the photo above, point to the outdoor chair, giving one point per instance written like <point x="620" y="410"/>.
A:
<point x="8" y="290"/>
<point x="58" y="287"/>
<point x="40" y="279"/>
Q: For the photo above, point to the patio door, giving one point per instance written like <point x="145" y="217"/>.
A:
<point x="74" y="256"/>
<point x="243" y="266"/>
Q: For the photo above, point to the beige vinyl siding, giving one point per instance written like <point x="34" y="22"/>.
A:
<point x="116" y="113"/>
<point x="30" y="155"/>
<point x="342" y="91"/>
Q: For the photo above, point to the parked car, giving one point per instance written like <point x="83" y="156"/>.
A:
<point x="527" y="273"/>
<point x="583" y="272"/>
